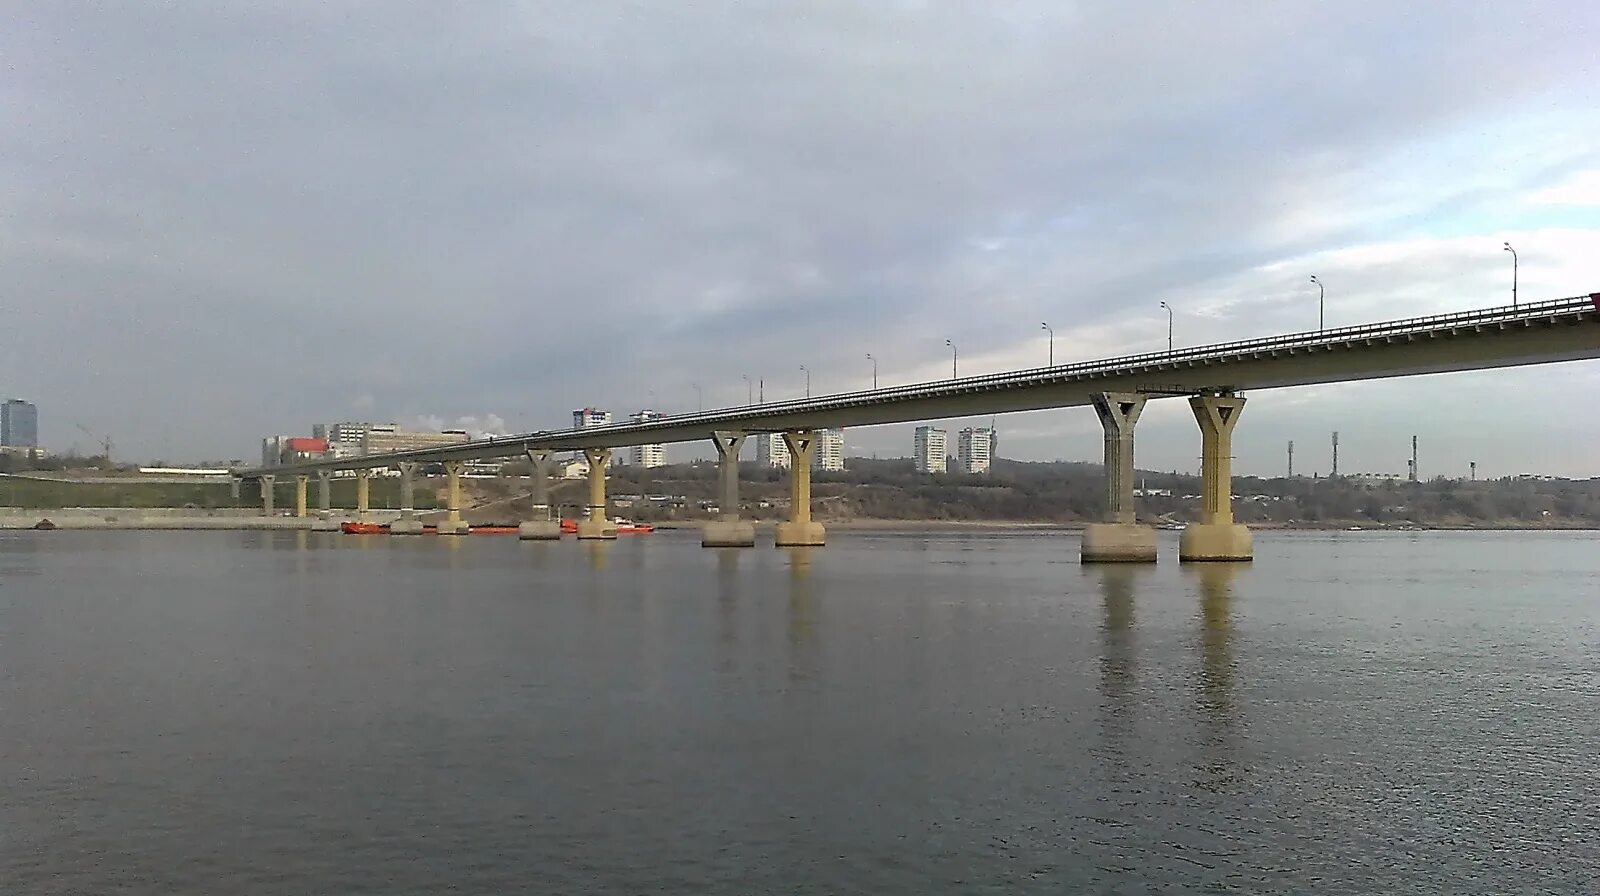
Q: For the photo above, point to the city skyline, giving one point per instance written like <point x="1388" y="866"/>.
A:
<point x="356" y="238"/>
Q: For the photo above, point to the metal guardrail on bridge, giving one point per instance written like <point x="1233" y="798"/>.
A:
<point x="734" y="416"/>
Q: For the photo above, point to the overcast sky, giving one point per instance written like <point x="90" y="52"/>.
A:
<point x="220" y="221"/>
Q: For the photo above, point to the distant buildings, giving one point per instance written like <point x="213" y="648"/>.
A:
<point x="583" y="418"/>
<point x="349" y="439"/>
<point x="829" y="453"/>
<point x="771" y="450"/>
<point x="19" y="424"/>
<point x="928" y="450"/>
<point x="645" y="455"/>
<point x="974" y="450"/>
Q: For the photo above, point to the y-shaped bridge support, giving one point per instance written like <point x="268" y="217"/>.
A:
<point x="1120" y="539"/>
<point x="453" y="524"/>
<point x="1216" y="536"/>
<point x="300" y="484"/>
<point x="267" y="482"/>
<point x="407" y="524"/>
<point x="728" y="531"/>
<point x="597" y="525"/>
<point x="800" y="531"/>
<point x="539" y="526"/>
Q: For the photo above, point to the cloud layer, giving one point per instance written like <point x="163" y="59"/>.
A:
<point x="224" y="221"/>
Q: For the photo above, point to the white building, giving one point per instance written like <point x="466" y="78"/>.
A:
<point x="583" y="418"/>
<point x="349" y="433"/>
<point x="928" y="449"/>
<point x="646" y="455"/>
<point x="974" y="450"/>
<point x="829" y="454"/>
<point x="771" y="450"/>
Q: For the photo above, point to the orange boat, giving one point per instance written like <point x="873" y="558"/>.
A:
<point x="381" y="529"/>
<point x="624" y="527"/>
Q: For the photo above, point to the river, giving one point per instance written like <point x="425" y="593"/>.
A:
<point x="292" y="712"/>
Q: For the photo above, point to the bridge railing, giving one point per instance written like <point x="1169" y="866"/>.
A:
<point x="732" y="416"/>
<point x="1064" y="372"/>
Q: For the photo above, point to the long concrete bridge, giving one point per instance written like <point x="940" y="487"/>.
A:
<point x="1211" y="377"/>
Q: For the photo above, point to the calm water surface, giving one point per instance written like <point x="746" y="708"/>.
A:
<point x="300" y="713"/>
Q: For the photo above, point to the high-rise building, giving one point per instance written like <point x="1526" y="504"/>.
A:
<point x="348" y="433"/>
<point x="928" y="449"/>
<point x="381" y="439"/>
<point x="771" y="450"/>
<point x="829" y="452"/>
<point x="19" y="424"/>
<point x="646" y="455"/>
<point x="973" y="450"/>
<point x="583" y="418"/>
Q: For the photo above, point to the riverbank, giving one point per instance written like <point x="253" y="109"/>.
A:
<point x="160" y="518"/>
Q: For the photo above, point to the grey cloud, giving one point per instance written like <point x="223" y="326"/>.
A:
<point x="242" y="217"/>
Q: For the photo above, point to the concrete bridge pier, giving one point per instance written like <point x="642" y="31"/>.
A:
<point x="800" y="531"/>
<point x="234" y="483"/>
<point x="1120" y="539"/>
<point x="267" y="482"/>
<point x="453" y="523"/>
<point x="728" y="531"/>
<point x="300" y="486"/>
<point x="364" y="496"/>
<point x="597" y="525"/>
<point x="325" y="521"/>
<point x="1216" y="536"/>
<point x="407" y="524"/>
<point x="539" y="526"/>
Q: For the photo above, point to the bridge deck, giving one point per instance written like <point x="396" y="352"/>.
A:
<point x="1540" y="333"/>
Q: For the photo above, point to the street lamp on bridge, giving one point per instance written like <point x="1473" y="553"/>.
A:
<point x="1052" y="343"/>
<point x="874" y="370"/>
<point x="953" y="356"/>
<point x="1513" y="274"/>
<point x="1321" y="295"/>
<point x="1169" y="325"/>
<point x="808" y="379"/>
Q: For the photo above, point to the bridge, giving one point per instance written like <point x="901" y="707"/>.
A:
<point x="1211" y="377"/>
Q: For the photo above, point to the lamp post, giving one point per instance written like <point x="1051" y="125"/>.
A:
<point x="1169" y="325"/>
<point x="953" y="356"/>
<point x="1513" y="274"/>
<point x="808" y="379"/>
<point x="699" y="398"/>
<point x="1052" y="343"/>
<point x="749" y="390"/>
<point x="1321" y="295"/>
<point x="874" y="370"/>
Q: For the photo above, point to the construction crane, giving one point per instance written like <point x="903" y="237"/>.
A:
<point x="105" y="441"/>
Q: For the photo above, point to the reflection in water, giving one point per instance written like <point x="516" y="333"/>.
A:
<point x="802" y="615"/>
<point x="1218" y="713"/>
<point x="19" y="554"/>
<point x="728" y="599"/>
<point x="597" y="550"/>
<point x="538" y="553"/>
<point x="1118" y="676"/>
